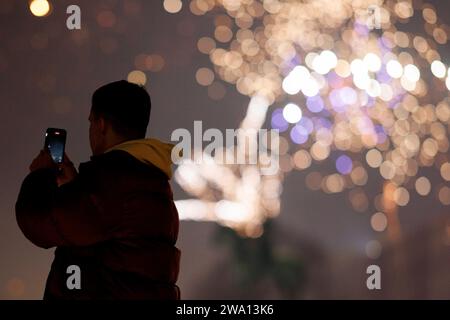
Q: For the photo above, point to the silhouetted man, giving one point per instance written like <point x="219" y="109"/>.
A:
<point x="115" y="221"/>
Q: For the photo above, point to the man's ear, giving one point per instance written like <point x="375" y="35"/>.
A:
<point x="102" y="125"/>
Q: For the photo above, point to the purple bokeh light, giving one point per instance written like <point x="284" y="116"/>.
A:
<point x="348" y="95"/>
<point x="341" y="98"/>
<point x="315" y="104"/>
<point x="278" y="121"/>
<point x="344" y="164"/>
<point x="299" y="134"/>
<point x="306" y="123"/>
<point x="320" y="123"/>
<point x="334" y="80"/>
<point x="383" y="76"/>
<point x="381" y="134"/>
<point x="361" y="28"/>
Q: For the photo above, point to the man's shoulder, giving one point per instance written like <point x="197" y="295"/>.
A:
<point x="118" y="172"/>
<point x="119" y="162"/>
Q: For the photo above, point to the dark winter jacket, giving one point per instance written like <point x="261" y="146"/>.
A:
<point x="116" y="221"/>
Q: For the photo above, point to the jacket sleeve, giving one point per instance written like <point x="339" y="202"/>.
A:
<point x="50" y="216"/>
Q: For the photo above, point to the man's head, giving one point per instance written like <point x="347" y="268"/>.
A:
<point x="120" y="111"/>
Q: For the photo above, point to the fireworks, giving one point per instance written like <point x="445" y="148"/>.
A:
<point x="375" y="98"/>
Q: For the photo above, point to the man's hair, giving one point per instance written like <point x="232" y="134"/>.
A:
<point x="125" y="105"/>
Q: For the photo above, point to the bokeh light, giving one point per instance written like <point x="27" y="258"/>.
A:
<point x="423" y="186"/>
<point x="373" y="249"/>
<point x="40" y="8"/>
<point x="444" y="195"/>
<point x="204" y="76"/>
<point x="379" y="221"/>
<point x="445" y="171"/>
<point x="374" y="158"/>
<point x="137" y="77"/>
<point x="401" y="196"/>
<point x="302" y="159"/>
<point x="172" y="6"/>
<point x="106" y="19"/>
<point x="292" y="113"/>
<point x="344" y="164"/>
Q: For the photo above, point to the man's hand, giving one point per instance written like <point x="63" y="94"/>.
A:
<point x="66" y="172"/>
<point x="43" y="161"/>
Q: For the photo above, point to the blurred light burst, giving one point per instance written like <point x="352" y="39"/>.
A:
<point x="369" y="99"/>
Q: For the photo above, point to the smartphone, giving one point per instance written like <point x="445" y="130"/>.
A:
<point x="55" y="143"/>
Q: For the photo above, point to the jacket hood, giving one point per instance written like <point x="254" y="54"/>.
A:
<point x="149" y="151"/>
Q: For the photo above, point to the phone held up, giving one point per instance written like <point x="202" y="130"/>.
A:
<point x="55" y="143"/>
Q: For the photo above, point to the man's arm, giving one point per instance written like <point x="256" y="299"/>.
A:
<point x="50" y="216"/>
<point x="34" y="206"/>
